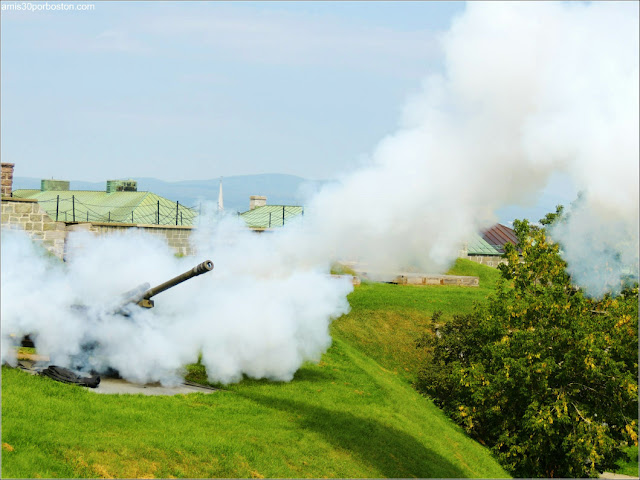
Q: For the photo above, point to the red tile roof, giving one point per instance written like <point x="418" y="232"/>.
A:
<point x="498" y="235"/>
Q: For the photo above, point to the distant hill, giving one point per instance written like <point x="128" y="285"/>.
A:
<point x="280" y="189"/>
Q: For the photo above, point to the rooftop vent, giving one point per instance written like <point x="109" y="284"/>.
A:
<point x="122" y="186"/>
<point x="54" y="185"/>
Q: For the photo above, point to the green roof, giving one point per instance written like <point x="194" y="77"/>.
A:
<point x="478" y="246"/>
<point x="123" y="207"/>
<point x="269" y="216"/>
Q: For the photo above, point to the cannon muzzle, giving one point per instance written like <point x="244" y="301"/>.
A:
<point x="199" y="269"/>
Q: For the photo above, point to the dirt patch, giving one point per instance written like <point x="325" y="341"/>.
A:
<point x="121" y="386"/>
<point x="34" y="357"/>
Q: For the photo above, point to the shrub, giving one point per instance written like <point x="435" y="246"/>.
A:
<point x="542" y="374"/>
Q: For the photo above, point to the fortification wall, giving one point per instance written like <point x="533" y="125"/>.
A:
<point x="177" y="237"/>
<point x="26" y="214"/>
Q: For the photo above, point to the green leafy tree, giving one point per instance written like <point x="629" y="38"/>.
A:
<point x="542" y="374"/>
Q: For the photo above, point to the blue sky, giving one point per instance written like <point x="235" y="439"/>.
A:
<point x="197" y="90"/>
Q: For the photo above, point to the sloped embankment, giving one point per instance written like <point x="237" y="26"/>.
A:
<point x="351" y="415"/>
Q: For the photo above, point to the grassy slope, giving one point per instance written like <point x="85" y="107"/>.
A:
<point x="353" y="415"/>
<point x="385" y="320"/>
<point x="346" y="417"/>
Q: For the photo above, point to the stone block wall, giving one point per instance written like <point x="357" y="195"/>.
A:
<point x="423" y="279"/>
<point x="177" y="237"/>
<point x="488" y="260"/>
<point x="26" y="214"/>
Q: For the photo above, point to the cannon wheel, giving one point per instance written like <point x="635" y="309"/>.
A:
<point x="65" y="375"/>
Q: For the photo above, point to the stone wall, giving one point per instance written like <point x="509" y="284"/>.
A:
<point x="26" y="214"/>
<point x="488" y="260"/>
<point x="177" y="237"/>
<point x="428" y="279"/>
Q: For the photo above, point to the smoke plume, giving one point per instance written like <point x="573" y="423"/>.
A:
<point x="253" y="314"/>
<point x="529" y="89"/>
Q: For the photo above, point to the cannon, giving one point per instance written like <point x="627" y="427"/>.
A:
<point x="82" y="371"/>
<point x="142" y="294"/>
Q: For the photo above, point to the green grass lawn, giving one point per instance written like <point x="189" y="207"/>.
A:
<point x="354" y="414"/>
<point x="629" y="467"/>
<point x="346" y="417"/>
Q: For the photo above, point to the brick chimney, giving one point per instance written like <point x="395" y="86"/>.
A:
<point x="257" y="201"/>
<point x="7" y="179"/>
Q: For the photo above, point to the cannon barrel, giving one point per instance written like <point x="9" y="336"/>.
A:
<point x="135" y="295"/>
<point x="199" y="269"/>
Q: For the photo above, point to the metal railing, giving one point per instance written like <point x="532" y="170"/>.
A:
<point x="162" y="213"/>
<point x="276" y="216"/>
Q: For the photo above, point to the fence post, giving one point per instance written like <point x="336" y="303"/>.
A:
<point x="180" y="218"/>
<point x="73" y="203"/>
<point x="158" y="212"/>
<point x="57" y="207"/>
<point x="283" y="216"/>
<point x="87" y="215"/>
<point x="269" y="219"/>
<point x="131" y="216"/>
<point x="109" y="215"/>
<point x="177" y="206"/>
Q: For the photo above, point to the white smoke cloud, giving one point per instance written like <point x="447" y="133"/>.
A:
<point x="250" y="316"/>
<point x="33" y="300"/>
<point x="529" y="89"/>
<point x="600" y="246"/>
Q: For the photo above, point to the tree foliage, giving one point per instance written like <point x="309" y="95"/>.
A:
<point x="542" y="374"/>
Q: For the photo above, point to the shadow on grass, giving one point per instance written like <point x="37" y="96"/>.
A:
<point x="313" y="376"/>
<point x="391" y="452"/>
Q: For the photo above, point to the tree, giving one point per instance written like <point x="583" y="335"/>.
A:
<point x="542" y="374"/>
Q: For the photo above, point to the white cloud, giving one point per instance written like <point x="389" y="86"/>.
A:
<point x="281" y="37"/>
